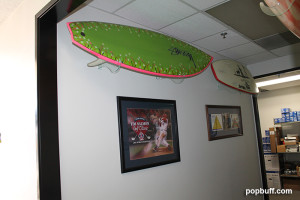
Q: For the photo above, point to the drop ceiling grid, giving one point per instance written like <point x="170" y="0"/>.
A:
<point x="109" y="5"/>
<point x="7" y="8"/>
<point x="217" y="42"/>
<point x="242" y="51"/>
<point x="135" y="12"/>
<point x="262" y="56"/>
<point x="194" y="27"/>
<point x="208" y="25"/>
<point x="204" y="5"/>
<point x="156" y="14"/>
<point x="287" y="50"/>
<point x="185" y="20"/>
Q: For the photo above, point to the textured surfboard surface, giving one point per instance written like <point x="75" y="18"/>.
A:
<point x="234" y="75"/>
<point x="139" y="49"/>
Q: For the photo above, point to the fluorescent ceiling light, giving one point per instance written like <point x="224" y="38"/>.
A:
<point x="279" y="80"/>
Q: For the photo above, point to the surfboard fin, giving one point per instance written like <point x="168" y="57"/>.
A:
<point x="96" y="63"/>
<point x="174" y="80"/>
<point x="113" y="68"/>
<point x="277" y="9"/>
<point x="266" y="9"/>
<point x="177" y="80"/>
<point x="100" y="63"/>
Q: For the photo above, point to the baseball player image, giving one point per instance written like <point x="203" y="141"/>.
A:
<point x="161" y="124"/>
<point x="155" y="143"/>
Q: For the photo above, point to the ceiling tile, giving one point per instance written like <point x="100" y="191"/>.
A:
<point x="242" y="51"/>
<point x="215" y="55"/>
<point x="247" y="18"/>
<point x="277" y="40"/>
<point x="217" y="42"/>
<point x="7" y="8"/>
<point x="109" y="5"/>
<point x="257" y="58"/>
<point x="156" y="13"/>
<point x="183" y="20"/>
<point x="203" y="5"/>
<point x="194" y="27"/>
<point x="93" y="14"/>
<point x="287" y="50"/>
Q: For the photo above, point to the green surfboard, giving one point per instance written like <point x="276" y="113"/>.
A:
<point x="138" y="49"/>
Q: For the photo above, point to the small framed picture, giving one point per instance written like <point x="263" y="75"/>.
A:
<point x="223" y="121"/>
<point x="148" y="133"/>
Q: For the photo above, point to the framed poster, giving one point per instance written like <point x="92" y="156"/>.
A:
<point x="223" y="121"/>
<point x="148" y="133"/>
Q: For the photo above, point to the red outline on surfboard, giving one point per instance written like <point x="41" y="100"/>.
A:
<point x="130" y="67"/>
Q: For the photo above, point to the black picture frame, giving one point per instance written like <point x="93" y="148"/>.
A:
<point x="223" y="121"/>
<point x="143" y="124"/>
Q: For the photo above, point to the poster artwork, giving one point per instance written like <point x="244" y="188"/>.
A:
<point x="235" y="120"/>
<point x="149" y="132"/>
<point x="216" y="122"/>
<point x="140" y="127"/>
<point x="223" y="121"/>
<point x="226" y="121"/>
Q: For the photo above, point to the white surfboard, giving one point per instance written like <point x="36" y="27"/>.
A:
<point x="234" y="75"/>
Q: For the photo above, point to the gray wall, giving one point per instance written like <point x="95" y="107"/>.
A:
<point x="89" y="138"/>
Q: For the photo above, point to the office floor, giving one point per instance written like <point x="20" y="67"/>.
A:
<point x="294" y="196"/>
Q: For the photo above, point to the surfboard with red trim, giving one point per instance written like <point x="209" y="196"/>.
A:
<point x="287" y="11"/>
<point x="234" y="75"/>
<point x="138" y="49"/>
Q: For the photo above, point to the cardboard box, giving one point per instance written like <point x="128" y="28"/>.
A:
<point x="275" y="135"/>
<point x="281" y="148"/>
<point x="272" y="162"/>
<point x="273" y="143"/>
<point x="285" y="110"/>
<point x="273" y="180"/>
<point x="290" y="143"/>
